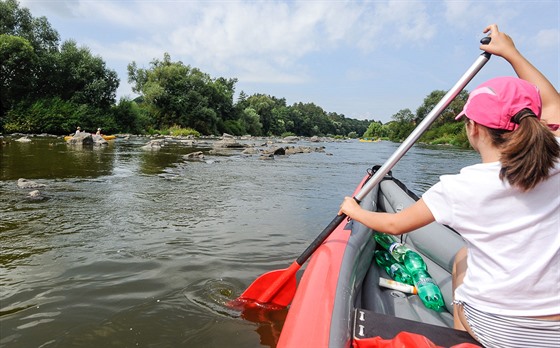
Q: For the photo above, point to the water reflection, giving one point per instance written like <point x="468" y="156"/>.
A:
<point x="48" y="157"/>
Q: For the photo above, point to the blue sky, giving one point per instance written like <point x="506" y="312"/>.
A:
<point x="363" y="59"/>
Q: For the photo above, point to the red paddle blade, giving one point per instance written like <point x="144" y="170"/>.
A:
<point x="273" y="288"/>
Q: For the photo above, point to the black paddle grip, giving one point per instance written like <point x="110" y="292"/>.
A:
<point x="320" y="239"/>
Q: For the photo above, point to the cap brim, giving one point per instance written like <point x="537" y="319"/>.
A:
<point x="461" y="114"/>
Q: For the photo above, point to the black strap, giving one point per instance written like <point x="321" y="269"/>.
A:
<point x="521" y="115"/>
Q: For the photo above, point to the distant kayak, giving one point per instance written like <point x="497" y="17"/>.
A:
<point x="106" y="137"/>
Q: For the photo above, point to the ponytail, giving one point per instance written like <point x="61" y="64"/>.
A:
<point x="527" y="153"/>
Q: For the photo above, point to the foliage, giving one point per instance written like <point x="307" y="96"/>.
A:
<point x="35" y="72"/>
<point x="448" y="114"/>
<point x="16" y="70"/>
<point x="183" y="95"/>
<point x="129" y="117"/>
<point x="445" y="130"/>
<point x="177" y="131"/>
<point x="50" y="115"/>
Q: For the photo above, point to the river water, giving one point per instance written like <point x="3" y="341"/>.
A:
<point x="133" y="248"/>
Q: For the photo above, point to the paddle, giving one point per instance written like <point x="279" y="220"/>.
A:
<point x="277" y="288"/>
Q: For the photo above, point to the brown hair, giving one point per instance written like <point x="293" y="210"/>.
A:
<point x="527" y="153"/>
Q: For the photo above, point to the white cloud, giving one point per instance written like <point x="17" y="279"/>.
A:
<point x="255" y="39"/>
<point x="548" y="38"/>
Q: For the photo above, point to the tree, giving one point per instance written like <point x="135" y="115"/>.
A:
<point x="375" y="130"/>
<point x="36" y="74"/>
<point x="250" y="121"/>
<point x="403" y="124"/>
<point x="448" y="115"/>
<point x="179" y="94"/>
<point x="17" y="62"/>
<point x="84" y="78"/>
<point x="19" y="22"/>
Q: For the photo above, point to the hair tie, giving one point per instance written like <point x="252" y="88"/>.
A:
<point x="521" y="115"/>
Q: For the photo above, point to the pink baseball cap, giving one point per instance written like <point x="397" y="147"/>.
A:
<point x="496" y="101"/>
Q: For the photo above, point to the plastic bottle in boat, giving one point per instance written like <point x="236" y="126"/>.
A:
<point x="428" y="291"/>
<point x="393" y="268"/>
<point x="390" y="244"/>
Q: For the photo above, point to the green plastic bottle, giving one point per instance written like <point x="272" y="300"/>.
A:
<point x="428" y="291"/>
<point x="393" y="268"/>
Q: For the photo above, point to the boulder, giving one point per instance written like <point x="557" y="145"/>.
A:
<point x="28" y="184"/>
<point x="250" y="151"/>
<point x="155" y="144"/>
<point x="81" y="138"/>
<point x="198" y="155"/>
<point x="98" y="140"/>
<point x="227" y="143"/>
<point x="24" y="139"/>
<point x="291" y="139"/>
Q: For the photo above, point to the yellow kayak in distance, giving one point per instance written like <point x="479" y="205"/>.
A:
<point x="106" y="137"/>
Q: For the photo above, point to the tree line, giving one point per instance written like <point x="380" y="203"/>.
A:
<point x="51" y="87"/>
<point x="444" y="130"/>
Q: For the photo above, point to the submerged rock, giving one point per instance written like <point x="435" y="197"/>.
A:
<point x="153" y="145"/>
<point x="28" y="184"/>
<point x="198" y="155"/>
<point x="23" y="140"/>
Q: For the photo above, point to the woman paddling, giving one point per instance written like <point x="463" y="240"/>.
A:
<point x="507" y="208"/>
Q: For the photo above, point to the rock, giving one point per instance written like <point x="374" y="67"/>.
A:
<point x="291" y="139"/>
<point x="228" y="144"/>
<point x="199" y="155"/>
<point x="267" y="157"/>
<point x="34" y="194"/>
<point x="227" y="136"/>
<point x="250" y="151"/>
<point x="155" y="144"/>
<point x="81" y="138"/>
<point x="24" y="139"/>
<point x="98" y="140"/>
<point x="27" y="184"/>
<point x="314" y="139"/>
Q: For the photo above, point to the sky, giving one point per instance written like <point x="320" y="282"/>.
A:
<point x="362" y="59"/>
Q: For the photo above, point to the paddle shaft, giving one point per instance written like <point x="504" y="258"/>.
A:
<point x="400" y="152"/>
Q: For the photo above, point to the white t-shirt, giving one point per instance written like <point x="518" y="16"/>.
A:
<point x="513" y="239"/>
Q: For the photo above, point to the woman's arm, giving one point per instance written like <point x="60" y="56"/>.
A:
<point x="411" y="218"/>
<point x="502" y="45"/>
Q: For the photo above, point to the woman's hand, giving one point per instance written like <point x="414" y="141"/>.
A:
<point x="349" y="207"/>
<point x="501" y="44"/>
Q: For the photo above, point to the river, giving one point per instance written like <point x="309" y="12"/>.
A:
<point x="133" y="248"/>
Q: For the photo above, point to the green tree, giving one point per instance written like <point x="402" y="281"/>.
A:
<point x="403" y="124"/>
<point x="35" y="73"/>
<point x="448" y="114"/>
<point x="264" y="105"/>
<point x="18" y="21"/>
<point x="17" y="63"/>
<point x="129" y="117"/>
<point x="84" y="78"/>
<point x="376" y="130"/>
<point x="178" y="94"/>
